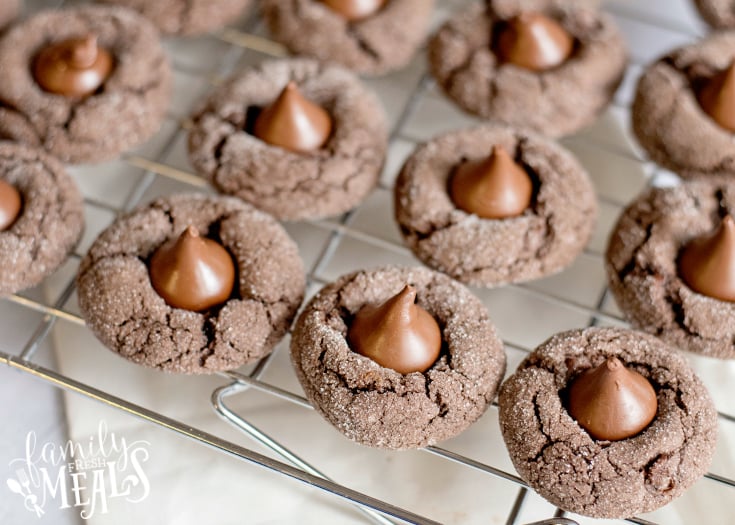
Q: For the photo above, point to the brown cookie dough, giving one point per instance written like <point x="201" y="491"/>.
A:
<point x="555" y="102"/>
<point x="488" y="252"/>
<point x="717" y="13"/>
<point x="186" y="17"/>
<point x="51" y="219"/>
<point x="606" y="479"/>
<point x="289" y="185"/>
<point x="667" y="117"/>
<point x="124" y="311"/>
<point x="375" y="45"/>
<point x="642" y="268"/>
<point x="378" y="406"/>
<point x="8" y="11"/>
<point x="124" y="112"/>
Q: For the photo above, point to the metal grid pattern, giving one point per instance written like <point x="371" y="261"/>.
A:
<point x="240" y="47"/>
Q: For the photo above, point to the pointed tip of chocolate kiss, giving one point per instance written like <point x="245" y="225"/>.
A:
<point x="707" y="263"/>
<point x="293" y="122"/>
<point x="717" y="98"/>
<point x="191" y="231"/>
<point x="534" y="41"/>
<point x="192" y="272"/>
<point x="496" y="187"/>
<point x="498" y="152"/>
<point x="11" y="204"/>
<point x="613" y="363"/>
<point x="354" y="10"/>
<point x="612" y="402"/>
<point x="397" y="334"/>
<point x="407" y="295"/>
<point x="83" y="53"/>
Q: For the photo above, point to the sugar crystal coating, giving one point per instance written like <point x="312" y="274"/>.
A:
<point x="598" y="478"/>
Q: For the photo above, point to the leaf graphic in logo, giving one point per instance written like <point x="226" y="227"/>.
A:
<point x="14" y="486"/>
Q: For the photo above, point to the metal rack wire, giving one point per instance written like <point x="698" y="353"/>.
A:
<point x="239" y="384"/>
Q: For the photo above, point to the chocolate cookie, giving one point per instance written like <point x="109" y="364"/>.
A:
<point x="375" y="43"/>
<point x="328" y="179"/>
<point x="543" y="239"/>
<point x="643" y="266"/>
<point x="478" y="67"/>
<point x="122" y="308"/>
<point x="85" y="83"/>
<point x="601" y="478"/>
<point x="717" y="13"/>
<point x="41" y="216"/>
<point x="376" y="405"/>
<point x="186" y="17"/>
<point x="668" y="116"/>
<point x="8" y="11"/>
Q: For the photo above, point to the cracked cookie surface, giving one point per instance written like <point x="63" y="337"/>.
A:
<point x="380" y="407"/>
<point x="51" y="219"/>
<point x="291" y="186"/>
<point x="610" y="479"/>
<point x="668" y="119"/>
<point x="383" y="42"/>
<point x="124" y="311"/>
<point x="186" y="17"/>
<point x="642" y="271"/>
<point x="555" y="102"/>
<point x="490" y="252"/>
<point x="124" y="112"/>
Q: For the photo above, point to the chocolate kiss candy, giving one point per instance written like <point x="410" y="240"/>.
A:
<point x="707" y="263"/>
<point x="353" y="10"/>
<point x="192" y="272"/>
<point x="10" y="204"/>
<point x="494" y="188"/>
<point x="612" y="402"/>
<point x="293" y="122"/>
<point x="534" y="41"/>
<point x="717" y="98"/>
<point x="74" y="68"/>
<point x="397" y="334"/>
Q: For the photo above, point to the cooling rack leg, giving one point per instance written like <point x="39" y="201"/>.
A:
<point x="517" y="506"/>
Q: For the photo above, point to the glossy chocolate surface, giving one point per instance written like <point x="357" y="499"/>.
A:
<point x="397" y="334"/>
<point x="192" y="272"/>
<point x="612" y="402"/>
<point x="10" y="205"/>
<point x="293" y="122"/>
<point x="717" y="98"/>
<point x="354" y="10"/>
<point x="493" y="188"/>
<point x="707" y="263"/>
<point x="74" y="68"/>
<point x="534" y="41"/>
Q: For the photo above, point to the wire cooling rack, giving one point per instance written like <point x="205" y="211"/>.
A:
<point x="408" y="100"/>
